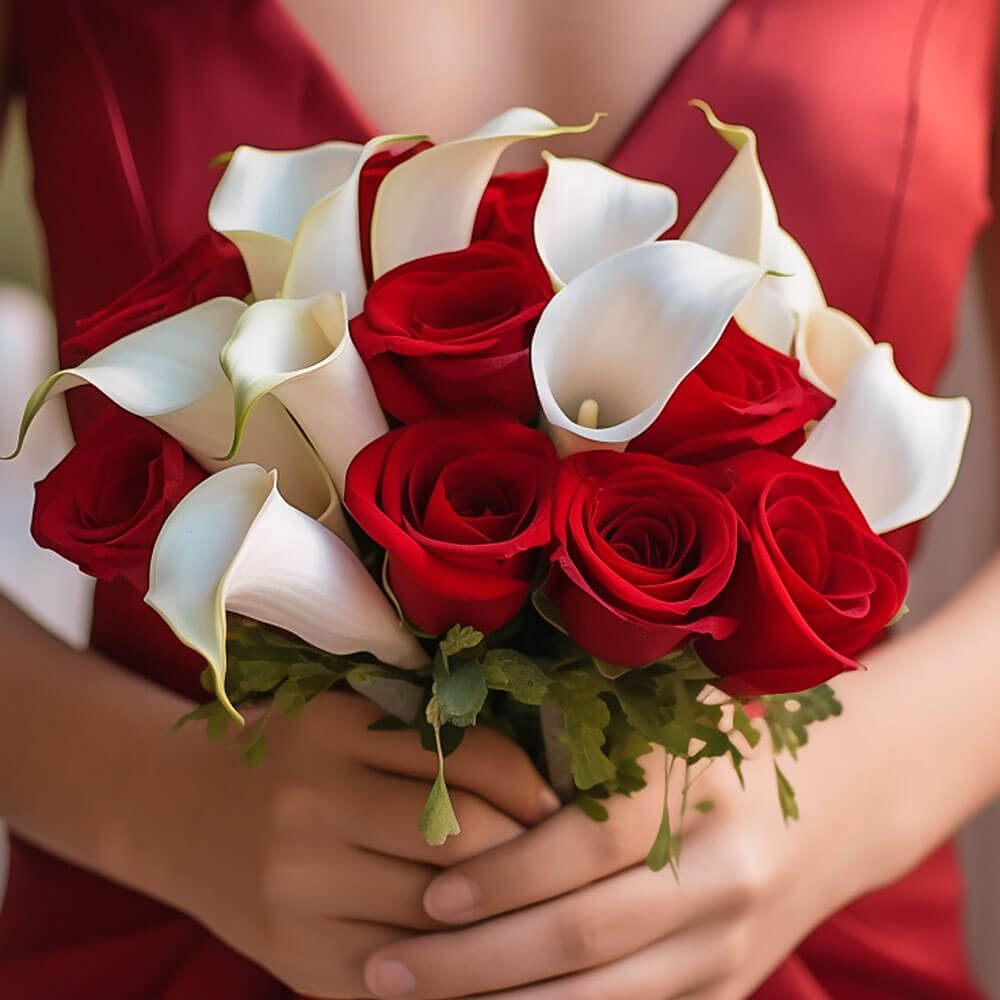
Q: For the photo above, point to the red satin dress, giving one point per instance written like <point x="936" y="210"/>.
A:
<point x="873" y="117"/>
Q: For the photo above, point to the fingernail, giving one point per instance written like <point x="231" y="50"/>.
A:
<point x="451" y="895"/>
<point x="389" y="978"/>
<point x="550" y="802"/>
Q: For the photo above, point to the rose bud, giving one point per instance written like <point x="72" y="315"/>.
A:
<point x="104" y="504"/>
<point x="453" y="331"/>
<point x="462" y="507"/>
<point x="744" y="395"/>
<point x="813" y="584"/>
<point x="642" y="549"/>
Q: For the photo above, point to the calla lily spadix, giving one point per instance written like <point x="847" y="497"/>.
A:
<point x="326" y="251"/>
<point x="170" y="374"/>
<point x="739" y="218"/>
<point x="897" y="450"/>
<point x="587" y="212"/>
<point x="263" y="195"/>
<point x="624" y="334"/>
<point x="428" y="204"/>
<point x="234" y="544"/>
<point x="301" y="352"/>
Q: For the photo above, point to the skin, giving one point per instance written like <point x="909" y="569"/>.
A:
<point x="339" y="906"/>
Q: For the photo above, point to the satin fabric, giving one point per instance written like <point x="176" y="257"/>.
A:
<point x="874" y="120"/>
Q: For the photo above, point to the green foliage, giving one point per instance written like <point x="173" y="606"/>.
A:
<point x="438" y="821"/>
<point x="788" y="716"/>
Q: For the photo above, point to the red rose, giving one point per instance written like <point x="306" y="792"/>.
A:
<point x="453" y="331"/>
<point x="642" y="549"/>
<point x="813" y="584"/>
<point x="507" y="211"/>
<point x="103" y="505"/>
<point x="210" y="267"/>
<point x="462" y="507"/>
<point x="743" y="396"/>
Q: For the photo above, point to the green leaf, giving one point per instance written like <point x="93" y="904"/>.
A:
<point x="585" y="716"/>
<point x="254" y="676"/>
<point x="387" y="724"/>
<point x="786" y="796"/>
<point x="594" y="809"/>
<point x="666" y="847"/>
<point x="705" y="806"/>
<point x="438" y="821"/>
<point x="461" y="694"/>
<point x="391" y="689"/>
<point x="517" y="674"/>
<point x="743" y="724"/>
<point x="254" y="753"/>
<point x="788" y="716"/>
<point x="460" y="638"/>
<point x="217" y="723"/>
<point x="201" y="712"/>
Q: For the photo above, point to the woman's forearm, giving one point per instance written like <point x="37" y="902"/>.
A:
<point x="919" y="741"/>
<point x="85" y="752"/>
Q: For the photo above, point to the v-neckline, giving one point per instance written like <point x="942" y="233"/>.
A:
<point x="367" y="124"/>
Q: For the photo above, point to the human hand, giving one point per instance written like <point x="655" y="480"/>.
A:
<point x="313" y="860"/>
<point x="570" y="910"/>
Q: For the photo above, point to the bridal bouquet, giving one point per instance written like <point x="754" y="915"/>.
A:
<point x="489" y="449"/>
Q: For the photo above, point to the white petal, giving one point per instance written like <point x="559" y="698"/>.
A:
<point x="170" y="374"/>
<point x="739" y="218"/>
<point x="169" y="369"/>
<point x="326" y="252"/>
<point x="263" y="195"/>
<point x="627" y="331"/>
<point x="233" y="543"/>
<point x="828" y="344"/>
<point x="302" y="353"/>
<point x="588" y="212"/>
<point x="897" y="450"/>
<point x="428" y="204"/>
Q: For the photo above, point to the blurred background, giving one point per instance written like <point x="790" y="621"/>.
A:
<point x="960" y="538"/>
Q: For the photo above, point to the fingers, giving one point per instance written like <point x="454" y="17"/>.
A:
<point x="486" y="764"/>
<point x="392" y="809"/>
<point x="563" y="853"/>
<point x="371" y="887"/>
<point x="683" y="967"/>
<point x="599" y="924"/>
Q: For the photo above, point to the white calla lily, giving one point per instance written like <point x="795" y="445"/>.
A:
<point x="170" y="374"/>
<point x="622" y="336"/>
<point x="233" y="543"/>
<point x="264" y="194"/>
<point x="897" y="450"/>
<point x="739" y="218"/>
<point x="587" y="212"/>
<point x="326" y="252"/>
<point x="301" y="352"/>
<point x="828" y="344"/>
<point x="428" y="204"/>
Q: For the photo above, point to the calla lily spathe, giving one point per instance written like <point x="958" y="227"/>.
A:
<point x="169" y="373"/>
<point x="301" y="352"/>
<point x="897" y="450"/>
<point x="234" y="544"/>
<point x="625" y="333"/>
<point x="587" y="212"/>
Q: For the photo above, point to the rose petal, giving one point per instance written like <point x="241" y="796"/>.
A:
<point x="587" y="212"/>
<point x="897" y="450"/>
<point x="234" y="543"/>
<point x="428" y="204"/>
<point x="627" y="331"/>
